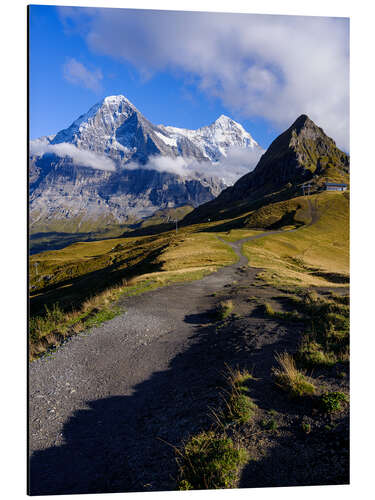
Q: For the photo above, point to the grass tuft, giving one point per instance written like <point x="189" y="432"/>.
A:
<point x="239" y="407"/>
<point x="283" y="315"/>
<point x="269" y="424"/>
<point x="207" y="461"/>
<point x="223" y="309"/>
<point x="290" y="379"/>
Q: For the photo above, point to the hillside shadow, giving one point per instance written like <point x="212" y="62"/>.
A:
<point x="77" y="290"/>
<point x="53" y="240"/>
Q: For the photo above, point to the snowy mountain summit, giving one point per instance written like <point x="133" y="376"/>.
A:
<point x="115" y="127"/>
<point x="114" y="163"/>
<point x="216" y="139"/>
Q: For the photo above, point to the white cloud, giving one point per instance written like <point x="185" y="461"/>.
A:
<point x="76" y="73"/>
<point x="80" y="157"/>
<point x="275" y="67"/>
<point x="238" y="162"/>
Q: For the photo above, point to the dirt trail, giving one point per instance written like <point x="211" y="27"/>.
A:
<point x="98" y="405"/>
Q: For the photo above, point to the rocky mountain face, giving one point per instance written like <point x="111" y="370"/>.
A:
<point x="112" y="165"/>
<point x="302" y="153"/>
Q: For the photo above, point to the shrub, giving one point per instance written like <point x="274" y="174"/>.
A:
<point x="43" y="325"/>
<point x="269" y="425"/>
<point x="209" y="462"/>
<point x="239" y="406"/>
<point x="330" y="402"/>
<point x="223" y="309"/>
<point x="290" y="379"/>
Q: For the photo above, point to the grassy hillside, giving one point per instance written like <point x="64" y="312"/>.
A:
<point x="79" y="283"/>
<point x="312" y="255"/>
<point x="294" y="212"/>
<point x="75" y="288"/>
<point x="316" y="254"/>
<point x="72" y="274"/>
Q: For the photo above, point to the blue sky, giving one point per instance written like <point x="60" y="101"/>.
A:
<point x="185" y="69"/>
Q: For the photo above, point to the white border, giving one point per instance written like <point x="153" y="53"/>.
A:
<point x="13" y="247"/>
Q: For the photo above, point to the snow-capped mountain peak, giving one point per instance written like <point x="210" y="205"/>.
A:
<point x="115" y="127"/>
<point x="96" y="129"/>
<point x="217" y="139"/>
<point x="224" y="120"/>
<point x="117" y="100"/>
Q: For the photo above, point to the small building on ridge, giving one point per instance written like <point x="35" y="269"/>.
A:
<point x="335" y="186"/>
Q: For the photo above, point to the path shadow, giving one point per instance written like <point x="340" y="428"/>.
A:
<point x="200" y="319"/>
<point x="119" y="444"/>
<point x="315" y="459"/>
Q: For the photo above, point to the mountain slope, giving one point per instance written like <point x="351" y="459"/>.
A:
<point x="302" y="153"/>
<point x="114" y="166"/>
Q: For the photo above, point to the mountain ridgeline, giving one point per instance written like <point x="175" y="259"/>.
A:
<point x="113" y="166"/>
<point x="303" y="153"/>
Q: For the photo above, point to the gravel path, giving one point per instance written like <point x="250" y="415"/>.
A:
<point x="97" y="405"/>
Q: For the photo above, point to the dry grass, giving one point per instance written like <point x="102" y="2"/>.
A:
<point x="314" y="255"/>
<point x="239" y="407"/>
<point x="295" y="210"/>
<point x="289" y="378"/>
<point x="55" y="326"/>
<point x="51" y="329"/>
<point x="236" y="377"/>
<point x="192" y="250"/>
<point x="238" y="234"/>
<point x="66" y="269"/>
<point x="326" y="339"/>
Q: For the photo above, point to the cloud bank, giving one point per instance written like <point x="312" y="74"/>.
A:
<point x="274" y="67"/>
<point x="238" y="162"/>
<point x="76" y="73"/>
<point x="80" y="158"/>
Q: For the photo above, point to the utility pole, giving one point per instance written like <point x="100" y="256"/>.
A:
<point x="176" y="225"/>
